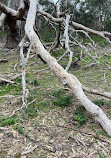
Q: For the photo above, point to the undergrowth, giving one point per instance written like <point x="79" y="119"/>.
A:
<point x="5" y="121"/>
<point x="79" y="115"/>
<point x="61" y="98"/>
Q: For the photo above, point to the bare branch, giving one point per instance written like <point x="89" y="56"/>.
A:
<point x="2" y="80"/>
<point x="93" y="91"/>
<point x="74" y="24"/>
<point x="99" y="33"/>
<point x="67" y="41"/>
<point x="17" y="14"/>
<point x="23" y="72"/>
<point x="57" y="20"/>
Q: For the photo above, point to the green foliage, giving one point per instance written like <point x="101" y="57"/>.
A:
<point x="19" y="129"/>
<point x="47" y="34"/>
<point x="63" y="101"/>
<point x="19" y="80"/>
<point x="100" y="41"/>
<point x="44" y="103"/>
<point x="101" y="102"/>
<point x="34" y="82"/>
<point x="95" y="13"/>
<point x="61" y="98"/>
<point x="4" y="89"/>
<point x="31" y="111"/>
<point x="56" y="54"/>
<point x="8" y="121"/>
<point x="57" y="93"/>
<point x="79" y="115"/>
<point x="101" y="155"/>
<point x="97" y="39"/>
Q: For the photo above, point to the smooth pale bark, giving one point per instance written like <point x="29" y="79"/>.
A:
<point x="2" y="80"/>
<point x="66" y="37"/>
<point x="2" y="20"/>
<point x="64" y="76"/>
<point x="93" y="91"/>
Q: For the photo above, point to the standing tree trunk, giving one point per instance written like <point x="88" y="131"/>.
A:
<point x="13" y="32"/>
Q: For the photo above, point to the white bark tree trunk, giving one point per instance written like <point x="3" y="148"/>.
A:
<point x="64" y="76"/>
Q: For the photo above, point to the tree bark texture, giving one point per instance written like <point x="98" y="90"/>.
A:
<point x="13" y="36"/>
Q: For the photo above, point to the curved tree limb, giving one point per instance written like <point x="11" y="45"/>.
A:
<point x="103" y="34"/>
<point x="17" y="14"/>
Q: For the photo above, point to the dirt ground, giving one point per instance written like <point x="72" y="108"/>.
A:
<point x="47" y="130"/>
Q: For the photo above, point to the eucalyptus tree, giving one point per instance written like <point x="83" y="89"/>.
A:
<point x="66" y="40"/>
<point x="13" y="23"/>
<point x="96" y="13"/>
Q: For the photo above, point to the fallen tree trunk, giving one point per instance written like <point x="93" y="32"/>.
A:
<point x="64" y="76"/>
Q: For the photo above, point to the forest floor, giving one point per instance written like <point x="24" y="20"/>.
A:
<point x="54" y="125"/>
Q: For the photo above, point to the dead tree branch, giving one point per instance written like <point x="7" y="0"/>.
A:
<point x="67" y="42"/>
<point x="2" y="80"/>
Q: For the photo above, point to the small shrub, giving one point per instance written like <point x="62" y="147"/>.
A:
<point x="44" y="103"/>
<point x="79" y="115"/>
<point x="19" y="129"/>
<point x="63" y="101"/>
<point x="8" y="121"/>
<point x="34" y="82"/>
<point x="57" y="93"/>
<point x="55" y="54"/>
<point x="101" y="102"/>
<point x="19" y="80"/>
<point x="31" y="111"/>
